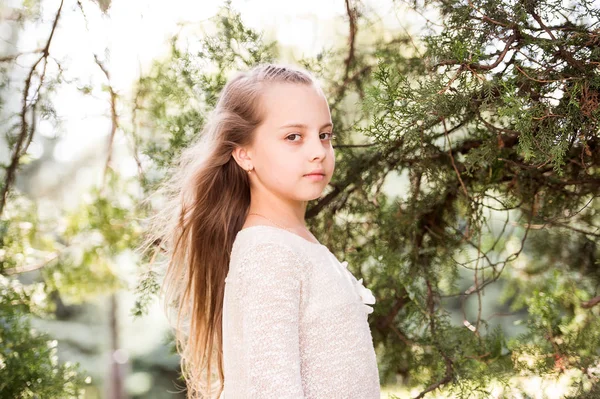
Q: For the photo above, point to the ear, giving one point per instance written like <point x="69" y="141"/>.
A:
<point x="243" y="158"/>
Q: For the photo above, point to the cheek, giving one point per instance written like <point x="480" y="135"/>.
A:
<point x="331" y="158"/>
<point x="282" y="171"/>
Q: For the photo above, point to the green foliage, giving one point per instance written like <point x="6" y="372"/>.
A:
<point x="29" y="365"/>
<point x="146" y="291"/>
<point x="69" y="258"/>
<point x="495" y="130"/>
<point x="28" y="359"/>
<point x="179" y="91"/>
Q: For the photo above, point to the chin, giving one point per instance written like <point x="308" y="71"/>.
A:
<point x="315" y="196"/>
<point x="308" y="196"/>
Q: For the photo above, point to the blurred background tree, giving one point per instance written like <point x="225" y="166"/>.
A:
<point x="465" y="195"/>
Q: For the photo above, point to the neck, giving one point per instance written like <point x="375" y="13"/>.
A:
<point x="285" y="213"/>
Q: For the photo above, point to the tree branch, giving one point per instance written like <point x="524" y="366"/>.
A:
<point x="113" y="116"/>
<point x="483" y="67"/>
<point x="13" y="57"/>
<point x="591" y="303"/>
<point x="11" y="170"/>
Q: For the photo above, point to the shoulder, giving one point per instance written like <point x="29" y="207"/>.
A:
<point x="264" y="248"/>
<point x="263" y="238"/>
<point x="266" y="252"/>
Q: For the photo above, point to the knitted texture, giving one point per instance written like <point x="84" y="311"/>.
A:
<point x="294" y="321"/>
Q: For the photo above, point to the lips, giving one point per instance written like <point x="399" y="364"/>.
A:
<point x="316" y="172"/>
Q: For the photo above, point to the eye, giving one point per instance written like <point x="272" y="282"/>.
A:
<point x="293" y="134"/>
<point x="331" y="135"/>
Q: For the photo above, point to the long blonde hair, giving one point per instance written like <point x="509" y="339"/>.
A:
<point x="207" y="199"/>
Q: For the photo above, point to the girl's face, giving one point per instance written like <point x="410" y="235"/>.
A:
<point x="293" y="141"/>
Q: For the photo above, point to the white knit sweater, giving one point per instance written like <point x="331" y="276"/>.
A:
<point x="294" y="321"/>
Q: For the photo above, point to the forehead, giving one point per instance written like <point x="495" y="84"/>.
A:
<point x="285" y="103"/>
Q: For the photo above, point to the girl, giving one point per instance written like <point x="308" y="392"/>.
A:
<point x="258" y="298"/>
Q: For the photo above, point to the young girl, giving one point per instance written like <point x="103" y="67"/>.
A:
<point x="257" y="296"/>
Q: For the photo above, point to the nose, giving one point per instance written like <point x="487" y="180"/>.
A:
<point x="316" y="149"/>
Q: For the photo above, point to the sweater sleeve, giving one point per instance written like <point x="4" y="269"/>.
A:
<point x="270" y="306"/>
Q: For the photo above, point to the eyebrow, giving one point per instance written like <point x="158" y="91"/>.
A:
<point x="303" y="126"/>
